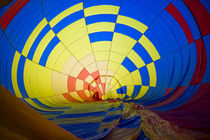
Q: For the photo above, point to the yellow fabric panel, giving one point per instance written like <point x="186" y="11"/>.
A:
<point x="33" y="36"/>
<point x="101" y="9"/>
<point x="102" y="55"/>
<point x="142" y="92"/>
<point x="69" y="65"/>
<point x="76" y="70"/>
<point x="101" y="46"/>
<point x="115" y="83"/>
<point x="112" y="66"/>
<point x="29" y="101"/>
<point x="47" y="102"/>
<point x="14" y="74"/>
<point x="61" y="60"/>
<point x="66" y="13"/>
<point x="121" y="72"/>
<point x="132" y="23"/>
<point x="100" y="27"/>
<point x="147" y="44"/>
<point x="127" y="80"/>
<point x="56" y="52"/>
<point x="136" y="59"/>
<point x="26" y="78"/>
<point x="60" y="100"/>
<point x="130" y="90"/>
<point x="76" y="96"/>
<point x="152" y="74"/>
<point x="122" y="43"/>
<point x="42" y="45"/>
<point x="59" y="83"/>
<point x="136" y="77"/>
<point x="102" y="67"/>
<point x="44" y="81"/>
<point x="73" y="32"/>
<point x="87" y="93"/>
<point x="91" y="68"/>
<point x="79" y="84"/>
<point x="54" y="101"/>
<point x="81" y="47"/>
<point x="89" y="79"/>
<point x="87" y="60"/>
<point x="32" y="67"/>
<point x="116" y="57"/>
<point x="29" y="81"/>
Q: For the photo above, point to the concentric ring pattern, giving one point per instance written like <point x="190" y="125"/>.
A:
<point x="55" y="52"/>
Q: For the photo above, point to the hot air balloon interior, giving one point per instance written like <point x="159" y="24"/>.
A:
<point x="105" y="69"/>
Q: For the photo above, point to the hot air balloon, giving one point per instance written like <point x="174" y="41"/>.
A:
<point x="88" y="65"/>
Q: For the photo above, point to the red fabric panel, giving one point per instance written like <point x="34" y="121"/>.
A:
<point x="96" y="77"/>
<point x="201" y="63"/>
<point x="103" y="87"/>
<point x="194" y="114"/>
<point x="71" y="84"/>
<point x="83" y="74"/>
<point x="11" y="13"/>
<point x="176" y="94"/>
<point x="180" y="19"/>
<point x="200" y="14"/>
<point x="68" y="97"/>
<point x="168" y="91"/>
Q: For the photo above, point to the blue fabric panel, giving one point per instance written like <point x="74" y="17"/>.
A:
<point x="9" y="70"/>
<point x="3" y="66"/>
<point x="163" y="75"/>
<point x="175" y="28"/>
<point x="133" y="122"/>
<point x="101" y="36"/>
<point x="35" y="100"/>
<point x="129" y="65"/>
<point x="191" y="49"/>
<point x="119" y="90"/>
<point x="26" y="19"/>
<point x="129" y="31"/>
<point x="4" y="48"/>
<point x="206" y="40"/>
<point x="42" y="111"/>
<point x="68" y="20"/>
<point x="129" y="8"/>
<point x="140" y="50"/>
<point x="144" y="76"/>
<point x="136" y="91"/>
<point x="52" y="8"/>
<point x="111" y="118"/>
<point x="20" y="80"/>
<point x="120" y="107"/>
<point x="153" y="5"/>
<point x="165" y="35"/>
<point x="100" y="113"/>
<point x="124" y="89"/>
<point x="5" y="8"/>
<point x="175" y="63"/>
<point x="48" y="50"/>
<point x="90" y="3"/>
<point x="81" y="130"/>
<point x="41" y="35"/>
<point x="206" y="4"/>
<point x="189" y="92"/>
<point x="101" y="18"/>
<point x="182" y="8"/>
<point x="142" y="136"/>
<point x="160" y="99"/>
